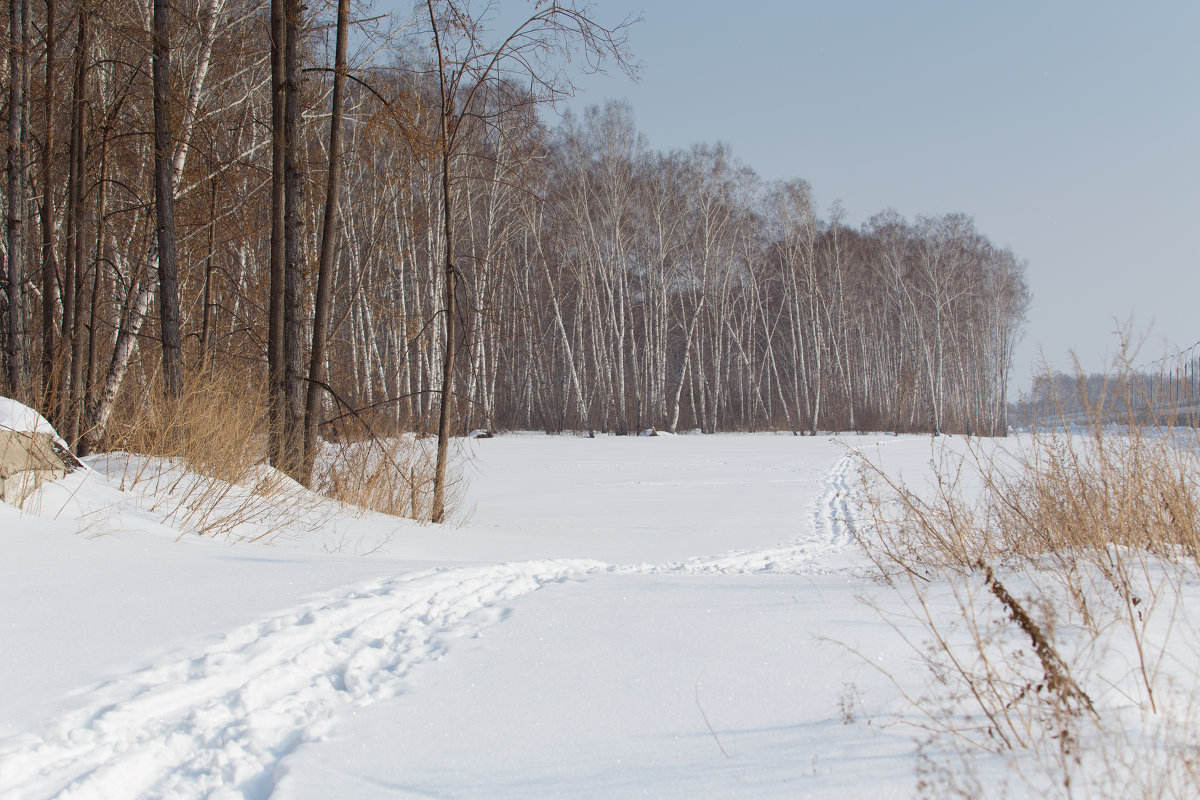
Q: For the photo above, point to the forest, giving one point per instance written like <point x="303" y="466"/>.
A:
<point x="408" y="238"/>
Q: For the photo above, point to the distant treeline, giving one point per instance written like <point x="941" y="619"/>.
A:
<point x="1164" y="392"/>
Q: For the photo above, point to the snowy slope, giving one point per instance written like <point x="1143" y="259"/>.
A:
<point x="620" y="617"/>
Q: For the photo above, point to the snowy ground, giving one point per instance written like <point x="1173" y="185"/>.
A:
<point x="667" y="617"/>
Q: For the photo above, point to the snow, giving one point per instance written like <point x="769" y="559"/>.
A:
<point x="662" y="617"/>
<point x="601" y="688"/>
<point x="22" y="418"/>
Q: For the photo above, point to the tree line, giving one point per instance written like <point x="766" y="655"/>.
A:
<point x="402" y="240"/>
<point x="1159" y="392"/>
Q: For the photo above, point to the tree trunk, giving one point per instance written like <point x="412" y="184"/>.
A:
<point x="275" y="369"/>
<point x="438" y="511"/>
<point x="14" y="349"/>
<point x="164" y="204"/>
<point x="293" y="376"/>
<point x="67" y="406"/>
<point x="99" y="261"/>
<point x="49" y="264"/>
<point x="687" y="355"/>
<point x="126" y="346"/>
<point x="207" y="310"/>
<point x="329" y="232"/>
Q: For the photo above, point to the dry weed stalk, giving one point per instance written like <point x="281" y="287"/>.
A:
<point x="217" y="425"/>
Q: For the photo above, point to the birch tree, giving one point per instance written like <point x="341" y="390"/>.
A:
<point x="535" y="51"/>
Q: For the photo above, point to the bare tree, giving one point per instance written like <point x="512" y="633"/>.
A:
<point x="275" y="300"/>
<point x="291" y="421"/>
<point x="533" y="51"/>
<point x="329" y="233"/>
<point x="49" y="264"/>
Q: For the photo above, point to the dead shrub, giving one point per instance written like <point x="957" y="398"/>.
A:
<point x="203" y="458"/>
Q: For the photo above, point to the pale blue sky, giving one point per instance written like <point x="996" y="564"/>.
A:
<point x="1069" y="130"/>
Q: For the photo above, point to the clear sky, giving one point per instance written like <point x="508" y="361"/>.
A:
<point x="1068" y="130"/>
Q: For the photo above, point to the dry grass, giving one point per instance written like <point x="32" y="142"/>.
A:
<point x="202" y="458"/>
<point x="1071" y="560"/>
<point x="217" y="426"/>
<point x="392" y="475"/>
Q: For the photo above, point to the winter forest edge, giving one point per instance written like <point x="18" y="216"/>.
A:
<point x="594" y="284"/>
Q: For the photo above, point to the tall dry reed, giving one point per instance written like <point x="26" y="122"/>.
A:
<point x="199" y="460"/>
<point x="217" y="426"/>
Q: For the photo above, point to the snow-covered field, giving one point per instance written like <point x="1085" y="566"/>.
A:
<point x="669" y="617"/>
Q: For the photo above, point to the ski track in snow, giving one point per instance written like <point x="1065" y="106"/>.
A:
<point x="219" y="724"/>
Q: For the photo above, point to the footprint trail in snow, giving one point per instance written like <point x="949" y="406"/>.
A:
<point x="218" y="725"/>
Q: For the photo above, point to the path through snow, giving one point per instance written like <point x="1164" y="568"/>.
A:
<point x="832" y="517"/>
<point x="218" y="723"/>
<point x="224" y="718"/>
